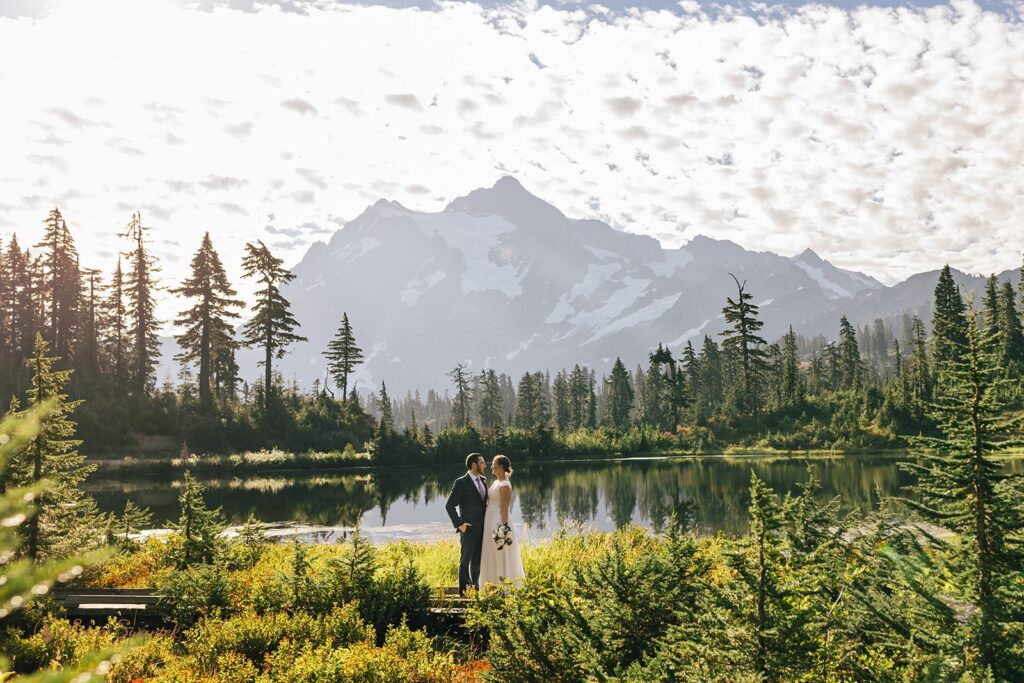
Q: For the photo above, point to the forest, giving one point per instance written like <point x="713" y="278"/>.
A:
<point x="866" y="390"/>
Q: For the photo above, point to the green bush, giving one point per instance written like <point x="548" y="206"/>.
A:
<point x="253" y="636"/>
<point x="190" y="594"/>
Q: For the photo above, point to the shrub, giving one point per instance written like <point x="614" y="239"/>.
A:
<point x="190" y="594"/>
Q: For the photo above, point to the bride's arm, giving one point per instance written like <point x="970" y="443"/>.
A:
<point x="505" y="499"/>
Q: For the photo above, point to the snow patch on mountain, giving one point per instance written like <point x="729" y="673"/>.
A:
<point x="418" y="287"/>
<point x="479" y="239"/>
<point x="818" y="275"/>
<point x="597" y="274"/>
<point x="618" y="302"/>
<point x="354" y="250"/>
<point x="650" y="312"/>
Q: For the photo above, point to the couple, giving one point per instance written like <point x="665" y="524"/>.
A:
<point x="480" y="514"/>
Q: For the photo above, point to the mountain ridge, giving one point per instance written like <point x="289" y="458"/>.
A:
<point x="500" y="278"/>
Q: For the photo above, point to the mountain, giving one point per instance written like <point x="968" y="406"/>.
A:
<point x="502" y="279"/>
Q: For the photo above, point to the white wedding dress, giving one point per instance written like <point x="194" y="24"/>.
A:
<point x="495" y="564"/>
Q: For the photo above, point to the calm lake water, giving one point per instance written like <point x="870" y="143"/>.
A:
<point x="409" y="502"/>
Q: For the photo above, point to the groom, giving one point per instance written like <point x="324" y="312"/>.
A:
<point x="466" y="505"/>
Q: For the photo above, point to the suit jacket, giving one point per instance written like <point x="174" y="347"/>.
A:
<point x="465" y="504"/>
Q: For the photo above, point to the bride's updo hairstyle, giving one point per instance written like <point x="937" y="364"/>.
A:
<point x="505" y="463"/>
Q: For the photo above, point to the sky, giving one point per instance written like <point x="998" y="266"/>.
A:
<point x="890" y="139"/>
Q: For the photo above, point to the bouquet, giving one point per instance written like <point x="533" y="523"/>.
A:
<point x="502" y="535"/>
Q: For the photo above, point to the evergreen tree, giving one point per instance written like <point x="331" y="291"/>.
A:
<point x="343" y="355"/>
<point x="961" y="487"/>
<point x="990" y="309"/>
<point x="712" y="379"/>
<point x="131" y="521"/>
<point x="792" y="389"/>
<point x="198" y="526"/>
<point x="207" y="330"/>
<point x="116" y="337"/>
<point x="949" y="326"/>
<point x="920" y="371"/>
<point x="387" y="414"/>
<point x="490" y="400"/>
<point x="66" y="519"/>
<point x="619" y="407"/>
<point x="742" y="341"/>
<point x="141" y="309"/>
<point x="849" y="356"/>
<point x="530" y="410"/>
<point x="560" y="409"/>
<point x="1011" y="349"/>
<point x="63" y="283"/>
<point x="272" y="326"/>
<point x="460" y="406"/>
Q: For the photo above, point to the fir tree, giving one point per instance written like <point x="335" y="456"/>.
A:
<point x="207" y="330"/>
<point x="792" y="389"/>
<point x="272" y="326"/>
<point x="141" y="310"/>
<point x="920" y="371"/>
<point x="560" y="409"/>
<point x="460" y="405"/>
<point x="131" y="521"/>
<point x="343" y="355"/>
<point x="530" y="412"/>
<point x="961" y="487"/>
<point x="1012" y="343"/>
<point x="619" y="406"/>
<point x="742" y="341"/>
<point x="949" y="326"/>
<point x="66" y="519"/>
<point x="117" y="330"/>
<point x="849" y="356"/>
<point x="490" y="400"/>
<point x="63" y="283"/>
<point x="990" y="309"/>
<point x="712" y="379"/>
<point x="387" y="414"/>
<point x="198" y="526"/>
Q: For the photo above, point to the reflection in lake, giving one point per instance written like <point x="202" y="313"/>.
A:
<point x="409" y="501"/>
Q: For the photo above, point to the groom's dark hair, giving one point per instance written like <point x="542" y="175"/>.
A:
<point x="472" y="458"/>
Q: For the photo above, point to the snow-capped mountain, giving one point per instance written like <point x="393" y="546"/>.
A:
<point x="501" y="279"/>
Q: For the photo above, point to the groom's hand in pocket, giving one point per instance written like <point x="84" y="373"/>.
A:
<point x="463" y="527"/>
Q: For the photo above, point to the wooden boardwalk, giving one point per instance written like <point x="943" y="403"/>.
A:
<point x="142" y="607"/>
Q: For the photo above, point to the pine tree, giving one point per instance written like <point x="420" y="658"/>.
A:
<point x="116" y="337"/>
<point x="490" y="400"/>
<point x="851" y="368"/>
<point x="742" y="341"/>
<point x="141" y="309"/>
<point x="198" y="526"/>
<point x="63" y="283"/>
<point x="949" y="326"/>
<point x="990" y="309"/>
<point x="530" y="412"/>
<point x="272" y="326"/>
<point x="961" y="487"/>
<point x="619" y="407"/>
<point x="712" y="378"/>
<point x="560" y="409"/>
<point x="131" y="521"/>
<point x="387" y="414"/>
<point x="67" y="518"/>
<point x="460" y="405"/>
<point x="920" y="371"/>
<point x="207" y="330"/>
<point x="1011" y="349"/>
<point x="343" y="355"/>
<point x="792" y="389"/>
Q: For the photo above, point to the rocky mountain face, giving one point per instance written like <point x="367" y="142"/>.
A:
<point x="501" y="279"/>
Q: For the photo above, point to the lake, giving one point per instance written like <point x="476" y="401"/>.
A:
<point x="408" y="502"/>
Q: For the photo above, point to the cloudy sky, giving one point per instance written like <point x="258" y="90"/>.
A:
<point x="890" y="140"/>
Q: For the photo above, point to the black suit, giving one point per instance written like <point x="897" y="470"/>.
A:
<point x="465" y="496"/>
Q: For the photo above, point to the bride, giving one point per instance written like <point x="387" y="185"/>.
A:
<point x="500" y="558"/>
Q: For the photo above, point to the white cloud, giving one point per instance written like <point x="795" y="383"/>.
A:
<point x="889" y="140"/>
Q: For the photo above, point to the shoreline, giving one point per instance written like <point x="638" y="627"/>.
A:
<point x="299" y="463"/>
